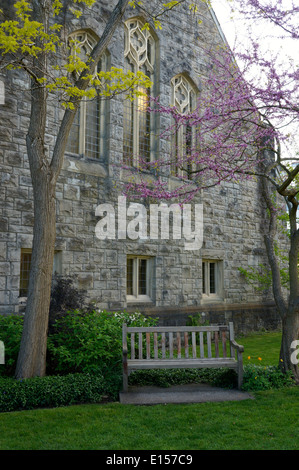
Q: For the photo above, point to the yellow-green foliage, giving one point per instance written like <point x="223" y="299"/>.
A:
<point x="23" y="39"/>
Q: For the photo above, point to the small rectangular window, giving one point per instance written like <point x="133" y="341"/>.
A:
<point x="26" y="265"/>
<point x="24" y="272"/>
<point x="139" y="278"/>
<point x="212" y="279"/>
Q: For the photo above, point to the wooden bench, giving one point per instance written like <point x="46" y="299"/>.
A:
<point x="180" y="347"/>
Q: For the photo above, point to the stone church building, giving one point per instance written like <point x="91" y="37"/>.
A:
<point x="157" y="277"/>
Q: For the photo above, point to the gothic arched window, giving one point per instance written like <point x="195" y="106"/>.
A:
<point x="184" y="98"/>
<point x="140" y="55"/>
<point x="88" y="133"/>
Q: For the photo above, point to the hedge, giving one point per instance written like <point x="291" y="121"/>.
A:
<point x="51" y="391"/>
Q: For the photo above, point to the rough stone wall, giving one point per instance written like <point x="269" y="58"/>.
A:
<point x="232" y="213"/>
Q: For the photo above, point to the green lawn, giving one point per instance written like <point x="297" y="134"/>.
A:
<point x="270" y="421"/>
<point x="264" y="345"/>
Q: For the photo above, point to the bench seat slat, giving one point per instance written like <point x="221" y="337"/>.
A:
<point x="181" y="363"/>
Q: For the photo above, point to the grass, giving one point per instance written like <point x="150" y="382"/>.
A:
<point x="270" y="421"/>
<point x="265" y="345"/>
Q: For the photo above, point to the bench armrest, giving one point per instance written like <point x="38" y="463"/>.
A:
<point x="125" y="369"/>
<point x="237" y="346"/>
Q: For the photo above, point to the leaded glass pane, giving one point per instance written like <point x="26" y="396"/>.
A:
<point x="212" y="278"/>
<point x="142" y="277"/>
<point x="130" y="276"/>
<point x="92" y="128"/>
<point x="73" y="139"/>
<point x="24" y="273"/>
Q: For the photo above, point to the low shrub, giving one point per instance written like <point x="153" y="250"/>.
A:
<point x="11" y="327"/>
<point x="51" y="391"/>
<point x="257" y="377"/>
<point x="90" y="341"/>
<point x="66" y="296"/>
<point x="221" y="377"/>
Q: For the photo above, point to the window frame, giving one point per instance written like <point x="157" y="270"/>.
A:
<point x="136" y="297"/>
<point x="207" y="295"/>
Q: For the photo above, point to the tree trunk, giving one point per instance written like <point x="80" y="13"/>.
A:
<point x="32" y="354"/>
<point x="290" y="333"/>
<point x="288" y="309"/>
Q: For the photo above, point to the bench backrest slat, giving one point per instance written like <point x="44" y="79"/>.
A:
<point x="232" y="337"/>
<point x="216" y="340"/>
<point x="133" y="345"/>
<point x="171" y="345"/>
<point x="209" y="344"/>
<point x="163" y="346"/>
<point x="201" y="345"/>
<point x="156" y="345"/>
<point x="223" y="337"/>
<point x="179" y="349"/>
<point x="193" y="345"/>
<point x="178" y="342"/>
<point x="186" y="344"/>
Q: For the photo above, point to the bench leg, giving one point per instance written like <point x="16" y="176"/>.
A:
<point x="240" y="370"/>
<point x="125" y="382"/>
<point x="240" y="379"/>
<point x="125" y="370"/>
